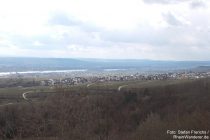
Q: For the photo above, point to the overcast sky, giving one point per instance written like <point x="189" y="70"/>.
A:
<point x="117" y="29"/>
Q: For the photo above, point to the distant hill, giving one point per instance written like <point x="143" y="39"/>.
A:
<point x="24" y="64"/>
<point x="8" y="64"/>
<point x="201" y="69"/>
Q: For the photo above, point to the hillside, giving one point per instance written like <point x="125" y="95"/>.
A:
<point x="135" y="113"/>
<point x="29" y="64"/>
<point x="202" y="69"/>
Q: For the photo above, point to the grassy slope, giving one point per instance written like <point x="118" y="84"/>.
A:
<point x="14" y="94"/>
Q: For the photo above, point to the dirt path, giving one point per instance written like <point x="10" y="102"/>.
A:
<point x="24" y="95"/>
<point x="88" y="85"/>
<point x="120" y="87"/>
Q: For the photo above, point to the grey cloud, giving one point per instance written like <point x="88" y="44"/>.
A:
<point x="59" y="18"/>
<point x="44" y="41"/>
<point x="48" y="42"/>
<point x="75" y="32"/>
<point x="172" y="20"/>
<point x="164" y="1"/>
<point x="143" y="35"/>
<point x="177" y="43"/>
<point x="173" y="40"/>
<point x="172" y="36"/>
<point x="62" y="19"/>
<point x="193" y="3"/>
<point x="197" y="4"/>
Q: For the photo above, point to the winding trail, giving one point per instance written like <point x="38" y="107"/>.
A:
<point x="88" y="85"/>
<point x="120" y="87"/>
<point x="24" y="95"/>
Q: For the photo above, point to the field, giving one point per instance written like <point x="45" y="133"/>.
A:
<point x="140" y="110"/>
<point x="14" y="95"/>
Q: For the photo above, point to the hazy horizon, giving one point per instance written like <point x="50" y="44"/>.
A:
<point x="94" y="58"/>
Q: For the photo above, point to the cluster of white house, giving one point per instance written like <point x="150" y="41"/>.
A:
<point x="137" y="76"/>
